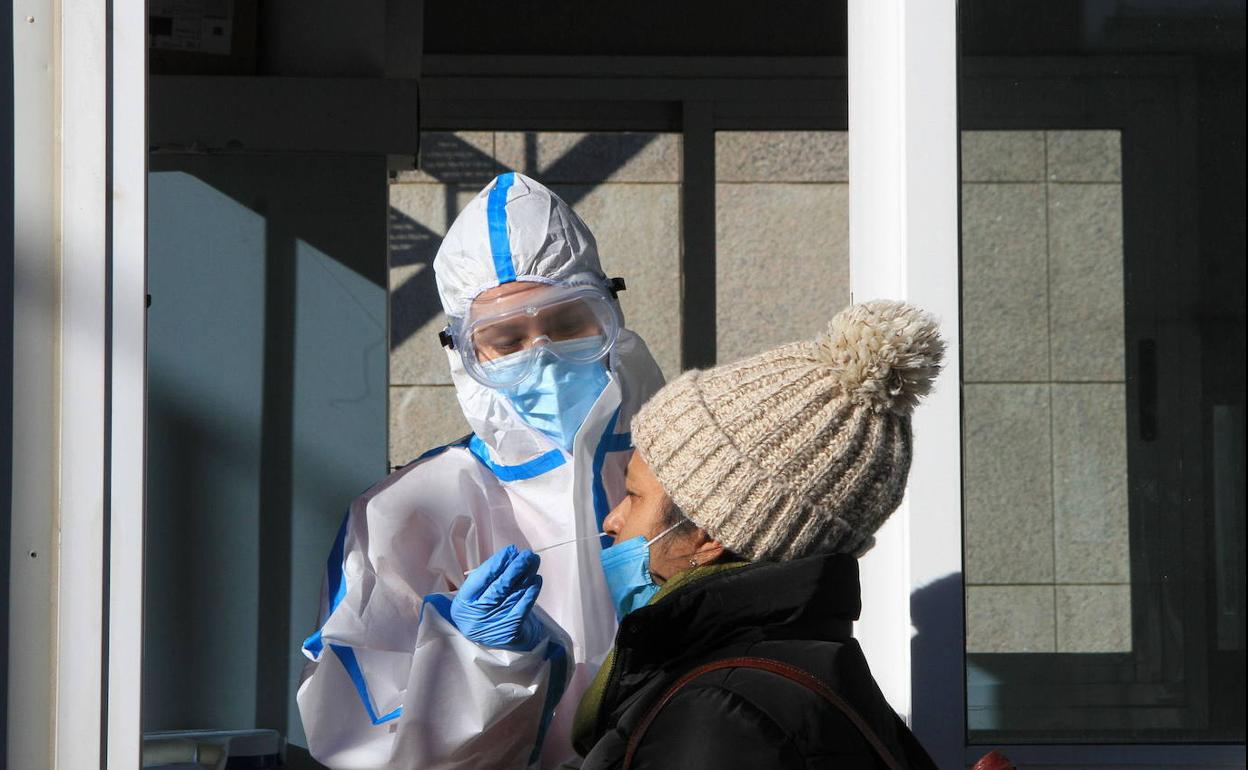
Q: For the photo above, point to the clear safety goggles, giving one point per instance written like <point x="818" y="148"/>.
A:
<point x="501" y="339"/>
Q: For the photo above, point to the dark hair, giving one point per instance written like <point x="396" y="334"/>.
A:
<point x="674" y="515"/>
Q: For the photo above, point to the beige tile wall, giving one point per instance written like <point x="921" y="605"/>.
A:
<point x="781" y="237"/>
<point x="1044" y="432"/>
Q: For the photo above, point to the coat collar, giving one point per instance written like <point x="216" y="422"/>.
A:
<point x="707" y="608"/>
<point x="816" y="597"/>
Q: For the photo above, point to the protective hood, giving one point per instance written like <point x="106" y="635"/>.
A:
<point x="515" y="229"/>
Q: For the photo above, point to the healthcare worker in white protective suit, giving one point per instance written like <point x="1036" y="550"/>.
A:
<point x="416" y="665"/>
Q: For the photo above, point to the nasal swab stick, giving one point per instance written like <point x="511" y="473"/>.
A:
<point x="546" y="548"/>
<point x="573" y="540"/>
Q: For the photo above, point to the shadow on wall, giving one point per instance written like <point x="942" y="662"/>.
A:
<point x="936" y="614"/>
<point x="267" y="415"/>
<point x="210" y="663"/>
<point x="6" y="373"/>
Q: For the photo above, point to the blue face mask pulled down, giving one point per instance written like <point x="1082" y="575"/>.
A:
<point x="557" y="396"/>
<point x="627" y="569"/>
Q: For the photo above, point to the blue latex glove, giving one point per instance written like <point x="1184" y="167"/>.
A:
<point x="493" y="605"/>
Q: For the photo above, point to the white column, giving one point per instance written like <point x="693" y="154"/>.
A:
<point x="82" y="171"/>
<point x="35" y="303"/>
<point x="903" y="233"/>
<point x="128" y="298"/>
<point x="78" y="401"/>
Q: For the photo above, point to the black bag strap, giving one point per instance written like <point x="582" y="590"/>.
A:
<point x="790" y="672"/>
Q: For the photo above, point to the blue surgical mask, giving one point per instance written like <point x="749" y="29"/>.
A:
<point x="627" y="569"/>
<point x="557" y="396"/>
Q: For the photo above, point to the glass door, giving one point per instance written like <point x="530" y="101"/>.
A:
<point x="1102" y="280"/>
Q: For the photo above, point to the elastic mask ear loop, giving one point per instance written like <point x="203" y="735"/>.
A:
<point x="664" y="533"/>
<point x="654" y="540"/>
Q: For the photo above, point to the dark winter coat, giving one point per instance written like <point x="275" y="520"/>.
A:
<point x="798" y="612"/>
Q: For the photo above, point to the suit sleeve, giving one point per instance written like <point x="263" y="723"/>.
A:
<point x="390" y="681"/>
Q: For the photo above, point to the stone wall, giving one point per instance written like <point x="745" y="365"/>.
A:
<point x="1044" y="410"/>
<point x="781" y="236"/>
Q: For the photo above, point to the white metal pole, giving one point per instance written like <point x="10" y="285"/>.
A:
<point x="81" y="221"/>
<point x="903" y="155"/>
<point x="877" y="269"/>
<point x="128" y="94"/>
<point x="61" y="366"/>
<point x="35" y="302"/>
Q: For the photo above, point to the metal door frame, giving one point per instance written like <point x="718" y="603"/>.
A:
<point x="79" y="400"/>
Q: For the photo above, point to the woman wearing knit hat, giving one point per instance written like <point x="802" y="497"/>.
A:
<point x="754" y="487"/>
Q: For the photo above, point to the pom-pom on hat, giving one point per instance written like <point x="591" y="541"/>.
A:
<point x="802" y="449"/>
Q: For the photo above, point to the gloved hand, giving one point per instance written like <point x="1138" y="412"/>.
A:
<point x="493" y="605"/>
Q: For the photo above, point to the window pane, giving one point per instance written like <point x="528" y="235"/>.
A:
<point x="266" y="413"/>
<point x="1103" y="373"/>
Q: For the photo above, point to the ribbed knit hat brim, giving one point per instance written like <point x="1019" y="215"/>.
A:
<point x="781" y="455"/>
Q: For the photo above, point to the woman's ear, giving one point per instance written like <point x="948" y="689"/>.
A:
<point x="709" y="550"/>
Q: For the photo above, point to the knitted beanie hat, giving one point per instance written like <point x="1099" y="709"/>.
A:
<point x="802" y="449"/>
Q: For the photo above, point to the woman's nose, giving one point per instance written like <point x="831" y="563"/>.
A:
<point x="611" y="524"/>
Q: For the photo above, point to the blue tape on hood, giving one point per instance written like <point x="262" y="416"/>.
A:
<point x="496" y="217"/>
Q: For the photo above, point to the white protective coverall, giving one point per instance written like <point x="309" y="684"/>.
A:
<point x="391" y="682"/>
